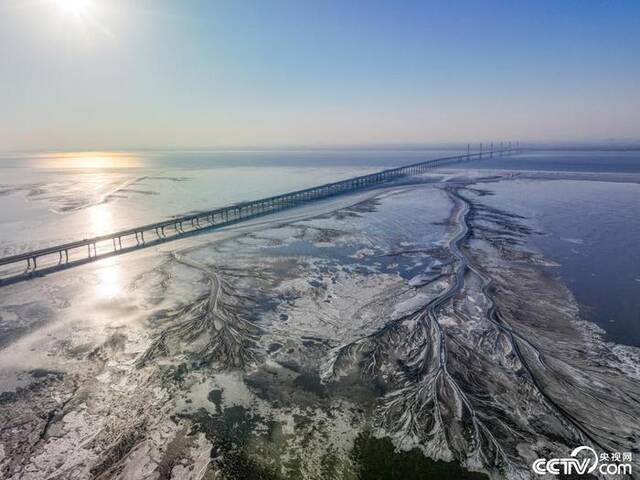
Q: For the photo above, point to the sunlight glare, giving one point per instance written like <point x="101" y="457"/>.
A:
<point x="109" y="274"/>
<point x="79" y="9"/>
<point x="90" y="160"/>
<point x="101" y="219"/>
<point x="109" y="279"/>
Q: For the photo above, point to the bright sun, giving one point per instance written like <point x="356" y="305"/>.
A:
<point x="76" y="8"/>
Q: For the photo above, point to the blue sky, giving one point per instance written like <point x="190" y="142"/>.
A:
<point x="117" y="74"/>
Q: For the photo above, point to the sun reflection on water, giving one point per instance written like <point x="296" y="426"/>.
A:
<point x="101" y="219"/>
<point x="109" y="279"/>
<point x="109" y="270"/>
<point x="90" y="160"/>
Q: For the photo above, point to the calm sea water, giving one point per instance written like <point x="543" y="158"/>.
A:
<point x="591" y="227"/>
<point x="565" y="161"/>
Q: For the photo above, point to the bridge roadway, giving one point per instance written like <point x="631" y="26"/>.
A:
<point x="134" y="238"/>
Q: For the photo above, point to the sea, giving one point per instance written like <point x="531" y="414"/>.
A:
<point x="588" y="226"/>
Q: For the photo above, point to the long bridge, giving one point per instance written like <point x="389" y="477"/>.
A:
<point x="60" y="256"/>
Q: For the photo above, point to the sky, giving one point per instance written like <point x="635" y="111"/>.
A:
<point x="132" y="74"/>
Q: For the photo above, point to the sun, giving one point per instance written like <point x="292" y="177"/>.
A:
<point x="79" y="9"/>
<point x="87" y="16"/>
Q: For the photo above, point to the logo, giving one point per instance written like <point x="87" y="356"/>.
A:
<point x="585" y="460"/>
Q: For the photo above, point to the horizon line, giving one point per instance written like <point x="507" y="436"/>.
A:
<point x="608" y="144"/>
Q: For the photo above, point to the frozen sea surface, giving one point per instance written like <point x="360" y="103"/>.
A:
<point x="408" y="329"/>
<point x="47" y="199"/>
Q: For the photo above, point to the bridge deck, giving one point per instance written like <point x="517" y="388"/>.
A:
<point x="175" y="228"/>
